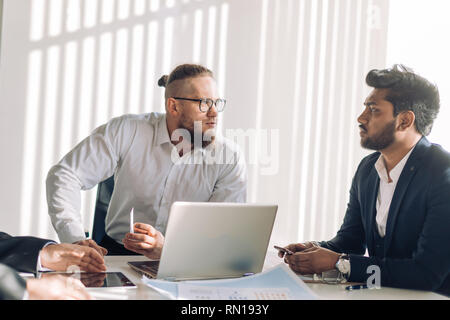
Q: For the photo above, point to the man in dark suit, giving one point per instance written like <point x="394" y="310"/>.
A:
<point x="28" y="254"/>
<point x="399" y="207"/>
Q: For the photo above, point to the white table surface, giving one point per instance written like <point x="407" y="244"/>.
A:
<point x="324" y="291"/>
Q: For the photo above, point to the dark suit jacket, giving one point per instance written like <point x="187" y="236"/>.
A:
<point x="21" y="253"/>
<point x="417" y="240"/>
<point x="12" y="286"/>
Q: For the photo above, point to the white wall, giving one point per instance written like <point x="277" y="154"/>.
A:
<point x="419" y="38"/>
<point x="296" y="67"/>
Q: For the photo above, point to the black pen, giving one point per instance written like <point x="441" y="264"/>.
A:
<point x="357" y="287"/>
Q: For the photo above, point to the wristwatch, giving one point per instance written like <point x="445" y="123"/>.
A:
<point x="343" y="265"/>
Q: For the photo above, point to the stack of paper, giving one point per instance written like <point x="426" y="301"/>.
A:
<point x="278" y="283"/>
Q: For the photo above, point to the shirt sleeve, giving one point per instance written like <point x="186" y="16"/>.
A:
<point x="39" y="267"/>
<point x="232" y="183"/>
<point x="90" y="162"/>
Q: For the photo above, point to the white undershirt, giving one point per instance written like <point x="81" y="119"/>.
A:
<point x="386" y="190"/>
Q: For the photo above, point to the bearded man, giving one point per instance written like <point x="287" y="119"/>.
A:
<point x="139" y="151"/>
<point x="399" y="207"/>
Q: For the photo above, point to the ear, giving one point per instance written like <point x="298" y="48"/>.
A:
<point x="406" y="120"/>
<point x="172" y="107"/>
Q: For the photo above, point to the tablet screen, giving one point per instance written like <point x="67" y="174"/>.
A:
<point x="98" y="279"/>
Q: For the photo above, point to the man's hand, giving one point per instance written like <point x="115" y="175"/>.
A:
<point x="91" y="243"/>
<point x="56" y="287"/>
<point x="146" y="240"/>
<point x="60" y="257"/>
<point x="312" y="260"/>
<point x="88" y="279"/>
<point x="298" y="247"/>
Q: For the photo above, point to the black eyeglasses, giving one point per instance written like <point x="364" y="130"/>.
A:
<point x="206" y="104"/>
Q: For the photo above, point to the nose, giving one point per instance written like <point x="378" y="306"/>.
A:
<point x="362" y="117"/>
<point x="212" y="112"/>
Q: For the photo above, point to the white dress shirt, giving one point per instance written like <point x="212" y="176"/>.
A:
<point x="138" y="151"/>
<point x="386" y="190"/>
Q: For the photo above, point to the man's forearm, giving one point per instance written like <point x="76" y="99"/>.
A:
<point x="64" y="201"/>
<point x="21" y="253"/>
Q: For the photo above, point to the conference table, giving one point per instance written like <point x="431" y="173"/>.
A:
<point x="322" y="290"/>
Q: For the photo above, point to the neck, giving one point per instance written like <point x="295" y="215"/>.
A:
<point x="171" y="127"/>
<point x="398" y="150"/>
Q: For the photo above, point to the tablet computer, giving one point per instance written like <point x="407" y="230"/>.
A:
<point x="97" y="279"/>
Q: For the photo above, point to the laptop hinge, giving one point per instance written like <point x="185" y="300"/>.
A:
<point x="170" y="279"/>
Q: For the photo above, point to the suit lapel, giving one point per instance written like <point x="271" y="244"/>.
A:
<point x="373" y="183"/>
<point x="410" y="169"/>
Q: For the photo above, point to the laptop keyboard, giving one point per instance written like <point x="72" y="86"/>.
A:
<point x="148" y="268"/>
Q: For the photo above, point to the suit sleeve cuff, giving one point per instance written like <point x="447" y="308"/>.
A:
<point x="39" y="267"/>
<point x="359" y="266"/>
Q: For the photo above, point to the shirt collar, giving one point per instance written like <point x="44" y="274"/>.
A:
<point x="395" y="172"/>
<point x="162" y="133"/>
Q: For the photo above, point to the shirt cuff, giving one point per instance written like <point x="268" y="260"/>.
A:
<point x="26" y="296"/>
<point x="39" y="267"/>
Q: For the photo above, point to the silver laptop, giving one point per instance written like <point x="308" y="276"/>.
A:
<point x="210" y="240"/>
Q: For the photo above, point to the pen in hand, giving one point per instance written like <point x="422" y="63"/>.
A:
<point x="132" y="220"/>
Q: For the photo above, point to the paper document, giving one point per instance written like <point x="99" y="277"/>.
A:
<point x="277" y="283"/>
<point x="193" y="292"/>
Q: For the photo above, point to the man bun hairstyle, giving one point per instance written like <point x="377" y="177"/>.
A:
<point x="184" y="71"/>
<point x="408" y="91"/>
<point x="162" y="82"/>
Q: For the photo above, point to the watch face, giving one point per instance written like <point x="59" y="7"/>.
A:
<point x="343" y="265"/>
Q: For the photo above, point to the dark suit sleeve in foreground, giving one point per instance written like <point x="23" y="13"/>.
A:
<point x="12" y="286"/>
<point x="21" y="253"/>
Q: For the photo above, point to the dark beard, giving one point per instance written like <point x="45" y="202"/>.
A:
<point x="205" y="139"/>
<point x="382" y="140"/>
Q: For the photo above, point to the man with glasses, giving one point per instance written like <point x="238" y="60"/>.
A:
<point x="139" y="151"/>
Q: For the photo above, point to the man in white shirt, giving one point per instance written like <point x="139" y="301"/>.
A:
<point x="399" y="207"/>
<point x="156" y="159"/>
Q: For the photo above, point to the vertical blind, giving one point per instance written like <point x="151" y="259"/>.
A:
<point x="292" y="71"/>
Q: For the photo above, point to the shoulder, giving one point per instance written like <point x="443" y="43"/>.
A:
<point x="229" y="150"/>
<point x="368" y="162"/>
<point x="437" y="162"/>
<point x="4" y="235"/>
<point x="135" y="121"/>
<point x="227" y="144"/>
<point x="439" y="155"/>
<point x="149" y="118"/>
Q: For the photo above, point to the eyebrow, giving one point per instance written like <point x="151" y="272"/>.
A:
<point x="369" y="103"/>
